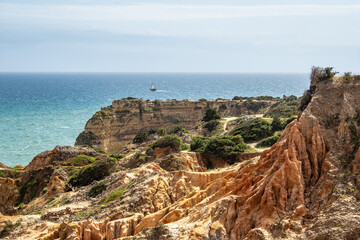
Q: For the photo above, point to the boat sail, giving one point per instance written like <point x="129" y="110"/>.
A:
<point x="153" y="88"/>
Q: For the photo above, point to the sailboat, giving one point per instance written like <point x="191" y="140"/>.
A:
<point x="153" y="88"/>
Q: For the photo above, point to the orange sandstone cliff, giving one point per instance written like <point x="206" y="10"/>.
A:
<point x="306" y="186"/>
<point x="115" y="126"/>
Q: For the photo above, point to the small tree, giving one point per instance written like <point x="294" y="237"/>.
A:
<point x="276" y="124"/>
<point x="211" y="114"/>
<point x="347" y="77"/>
<point x="172" y="141"/>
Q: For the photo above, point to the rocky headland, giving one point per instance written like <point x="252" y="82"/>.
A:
<point x="111" y="185"/>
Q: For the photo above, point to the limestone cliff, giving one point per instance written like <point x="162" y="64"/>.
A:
<point x="116" y="125"/>
<point x="306" y="186"/>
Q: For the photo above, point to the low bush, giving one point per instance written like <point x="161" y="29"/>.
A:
<point x="284" y="108"/>
<point x="161" y="132"/>
<point x="140" y="137"/>
<point x="212" y="125"/>
<point x="83" y="159"/>
<point x="211" y="114"/>
<point x="177" y="129"/>
<point x="198" y="144"/>
<point x="276" y="124"/>
<point x="97" y="189"/>
<point x="225" y="147"/>
<point x="95" y="171"/>
<point x="172" y="141"/>
<point x="252" y="130"/>
<point x="268" y="142"/>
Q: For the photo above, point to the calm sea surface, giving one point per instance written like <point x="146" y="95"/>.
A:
<point x="39" y="110"/>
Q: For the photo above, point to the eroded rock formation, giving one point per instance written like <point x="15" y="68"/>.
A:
<point x="116" y="125"/>
<point x="306" y="186"/>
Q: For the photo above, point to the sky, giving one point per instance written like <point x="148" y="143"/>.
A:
<point x="179" y="36"/>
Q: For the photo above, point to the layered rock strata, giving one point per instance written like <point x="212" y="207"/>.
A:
<point x="115" y="126"/>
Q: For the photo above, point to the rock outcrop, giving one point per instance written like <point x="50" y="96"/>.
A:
<point x="58" y="155"/>
<point x="115" y="126"/>
<point x="306" y="186"/>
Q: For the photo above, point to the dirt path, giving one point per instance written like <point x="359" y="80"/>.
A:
<point x="226" y="121"/>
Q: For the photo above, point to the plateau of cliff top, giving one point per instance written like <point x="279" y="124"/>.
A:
<point x="305" y="186"/>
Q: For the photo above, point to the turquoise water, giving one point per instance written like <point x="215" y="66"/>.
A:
<point x="40" y="110"/>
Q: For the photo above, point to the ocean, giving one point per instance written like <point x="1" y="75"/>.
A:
<point x="41" y="110"/>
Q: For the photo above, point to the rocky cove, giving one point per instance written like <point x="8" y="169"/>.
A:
<point x="108" y="186"/>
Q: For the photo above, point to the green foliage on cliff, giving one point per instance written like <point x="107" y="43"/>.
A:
<point x="268" y="142"/>
<point x="260" y="98"/>
<point x="276" y="124"/>
<point x="252" y="130"/>
<point x="284" y="108"/>
<point x="319" y="74"/>
<point x="178" y="129"/>
<point x="212" y="125"/>
<point x="83" y="159"/>
<point x="140" y="137"/>
<point x="225" y="147"/>
<point x="172" y="141"/>
<point x="97" y="189"/>
<point x="95" y="171"/>
<point x="211" y="114"/>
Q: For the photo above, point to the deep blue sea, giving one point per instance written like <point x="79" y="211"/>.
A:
<point x="41" y="110"/>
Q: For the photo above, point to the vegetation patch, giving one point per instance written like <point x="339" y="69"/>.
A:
<point x="212" y="125"/>
<point x="118" y="192"/>
<point x="178" y="129"/>
<point x="95" y="171"/>
<point x="225" y="147"/>
<point x="172" y="141"/>
<point x="211" y="114"/>
<point x="252" y="130"/>
<point x="259" y="98"/>
<point x="140" y="137"/>
<point x="83" y="159"/>
<point x="268" y="142"/>
<point x="97" y="189"/>
<point x="284" y="108"/>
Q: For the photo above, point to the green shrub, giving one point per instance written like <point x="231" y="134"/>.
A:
<point x="347" y="77"/>
<point x="284" y="108"/>
<point x="161" y="132"/>
<point x="322" y="74"/>
<point x="117" y="156"/>
<point x="100" y="150"/>
<point x="225" y="147"/>
<point x="252" y="130"/>
<point x="177" y="129"/>
<point x="212" y="125"/>
<point x="83" y="159"/>
<point x="172" y="141"/>
<point x="118" y="192"/>
<point x="211" y="114"/>
<point x="97" y="189"/>
<point x="198" y="144"/>
<point x="268" y="142"/>
<point x="276" y="124"/>
<point x="140" y="137"/>
<point x="95" y="171"/>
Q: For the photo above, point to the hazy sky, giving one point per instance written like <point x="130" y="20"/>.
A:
<point x="179" y="36"/>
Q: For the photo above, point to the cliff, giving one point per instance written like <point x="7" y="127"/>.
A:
<point x="115" y="126"/>
<point x="306" y="186"/>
